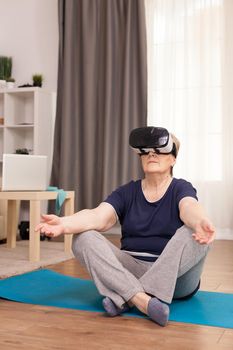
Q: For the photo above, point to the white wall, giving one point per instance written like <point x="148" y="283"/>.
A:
<point x="29" y="33"/>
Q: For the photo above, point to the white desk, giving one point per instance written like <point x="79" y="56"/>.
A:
<point x="35" y="198"/>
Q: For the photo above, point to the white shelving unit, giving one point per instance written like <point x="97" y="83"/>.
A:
<point x="28" y="122"/>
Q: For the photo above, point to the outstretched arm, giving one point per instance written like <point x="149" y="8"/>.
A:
<point x="193" y="216"/>
<point x="100" y="218"/>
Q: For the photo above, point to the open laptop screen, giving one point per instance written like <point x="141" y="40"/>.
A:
<point x="22" y="172"/>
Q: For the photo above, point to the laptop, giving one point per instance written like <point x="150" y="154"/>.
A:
<point x="22" y="172"/>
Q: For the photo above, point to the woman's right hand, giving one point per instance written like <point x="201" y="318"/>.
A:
<point x="51" y="226"/>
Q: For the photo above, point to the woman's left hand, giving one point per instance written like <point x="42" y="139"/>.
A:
<point x="204" y="232"/>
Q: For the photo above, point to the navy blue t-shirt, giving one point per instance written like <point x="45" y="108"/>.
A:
<point x="147" y="227"/>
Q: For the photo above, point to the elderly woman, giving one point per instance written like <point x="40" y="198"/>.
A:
<point x="165" y="234"/>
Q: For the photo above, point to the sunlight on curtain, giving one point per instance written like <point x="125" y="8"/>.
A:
<point x="188" y="85"/>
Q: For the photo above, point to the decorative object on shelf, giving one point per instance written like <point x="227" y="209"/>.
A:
<point x="1" y="121"/>
<point x="25" y="86"/>
<point x="37" y="80"/>
<point x="10" y="83"/>
<point x="5" y="69"/>
<point x="22" y="151"/>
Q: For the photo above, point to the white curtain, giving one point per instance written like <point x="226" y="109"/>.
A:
<point x="190" y="92"/>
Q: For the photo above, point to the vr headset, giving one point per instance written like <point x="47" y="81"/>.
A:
<point x="152" y="139"/>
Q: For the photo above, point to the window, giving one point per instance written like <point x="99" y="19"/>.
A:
<point x="185" y="81"/>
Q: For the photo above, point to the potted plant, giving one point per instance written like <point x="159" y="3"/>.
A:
<point x="5" y="70"/>
<point x="10" y="83"/>
<point x="37" y="80"/>
<point x="2" y="79"/>
<point x="22" y="151"/>
<point x="8" y="67"/>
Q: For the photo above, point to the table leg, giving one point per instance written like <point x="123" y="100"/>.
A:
<point x="34" y="237"/>
<point x="12" y="222"/>
<point x="69" y="210"/>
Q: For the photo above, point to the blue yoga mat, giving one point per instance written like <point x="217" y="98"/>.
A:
<point x="46" y="287"/>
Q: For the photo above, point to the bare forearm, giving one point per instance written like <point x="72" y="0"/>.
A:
<point x="192" y="214"/>
<point x="100" y="218"/>
<point x="78" y="222"/>
<point x="85" y="220"/>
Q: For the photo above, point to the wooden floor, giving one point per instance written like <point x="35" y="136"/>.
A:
<point x="33" y="327"/>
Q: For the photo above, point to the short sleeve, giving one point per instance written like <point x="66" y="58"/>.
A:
<point x="117" y="200"/>
<point x="185" y="189"/>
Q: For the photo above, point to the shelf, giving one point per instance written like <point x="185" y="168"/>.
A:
<point x="28" y="116"/>
<point x="1" y="141"/>
<point x="20" y="126"/>
<point x="18" y="90"/>
<point x="16" y="137"/>
<point x="19" y="108"/>
<point x="24" y="90"/>
<point x="1" y="105"/>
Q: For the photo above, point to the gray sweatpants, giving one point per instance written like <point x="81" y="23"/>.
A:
<point x="118" y="275"/>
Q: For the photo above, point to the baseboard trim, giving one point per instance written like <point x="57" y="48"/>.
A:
<point x="224" y="234"/>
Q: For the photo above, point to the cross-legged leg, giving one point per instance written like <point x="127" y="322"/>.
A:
<point x="180" y="256"/>
<point x="114" y="272"/>
<point x="122" y="278"/>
